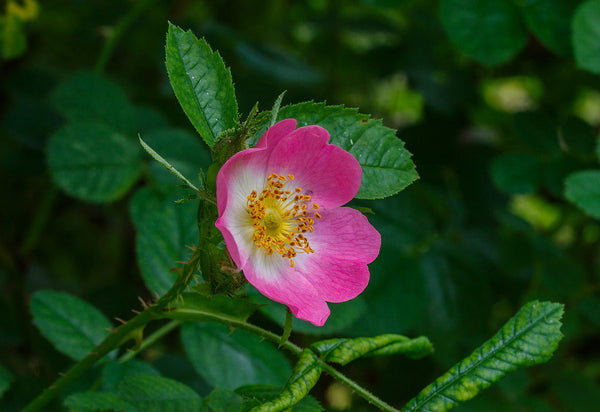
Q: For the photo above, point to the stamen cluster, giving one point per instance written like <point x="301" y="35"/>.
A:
<point x="281" y="216"/>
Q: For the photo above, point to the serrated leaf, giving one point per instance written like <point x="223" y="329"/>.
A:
<point x="529" y="338"/>
<point x="490" y="31"/>
<point x="255" y="395"/>
<point x="386" y="164"/>
<point x="115" y="372"/>
<point x="306" y="374"/>
<point x="98" y="401"/>
<point x="91" y="97"/>
<point x="517" y="172"/>
<point x="343" y="351"/>
<point x="276" y="107"/>
<point x="157" y="394"/>
<point x="72" y="325"/>
<point x="586" y="35"/>
<point x="583" y="190"/>
<point x="201" y="83"/>
<point x="550" y="21"/>
<point x="164" y="229"/>
<point x="193" y="306"/>
<point x="93" y="162"/>
<point x="222" y="400"/>
<point x="229" y="360"/>
<point x="6" y="379"/>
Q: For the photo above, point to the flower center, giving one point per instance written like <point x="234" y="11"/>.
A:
<point x="280" y="216"/>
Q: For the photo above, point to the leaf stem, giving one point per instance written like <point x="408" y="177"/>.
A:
<point x="150" y="340"/>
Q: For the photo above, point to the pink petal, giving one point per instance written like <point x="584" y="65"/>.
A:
<point x="328" y="173"/>
<point x="272" y="136"/>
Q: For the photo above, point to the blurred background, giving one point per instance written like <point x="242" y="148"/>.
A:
<point x="498" y="110"/>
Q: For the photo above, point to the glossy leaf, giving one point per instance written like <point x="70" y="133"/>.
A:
<point x="586" y="35"/>
<point x="98" y="401"/>
<point x="305" y="375"/>
<point x="386" y="164"/>
<point x="344" y="351"/>
<point x="164" y="229"/>
<point x="6" y="379"/>
<point x="201" y="83"/>
<point x="229" y="360"/>
<point x="490" y="31"/>
<point x="114" y="372"/>
<point x="193" y="306"/>
<point x="550" y="21"/>
<point x="583" y="190"/>
<point x="72" y="325"/>
<point x="529" y="338"/>
<point x="93" y="162"/>
<point x="157" y="394"/>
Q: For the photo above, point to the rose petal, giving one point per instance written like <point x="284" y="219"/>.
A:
<point x="272" y="136"/>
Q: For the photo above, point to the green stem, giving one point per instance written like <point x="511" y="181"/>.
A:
<point x="120" y="28"/>
<point x="40" y="219"/>
<point x="153" y="337"/>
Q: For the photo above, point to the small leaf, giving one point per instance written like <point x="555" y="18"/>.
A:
<point x="550" y="21"/>
<point x="98" y="401"/>
<point x="529" y="338"/>
<point x="6" y="379"/>
<point x="91" y="97"/>
<point x="167" y="165"/>
<point x="115" y="372"/>
<point x="517" y="172"/>
<point x="386" y="164"/>
<point x="201" y="83"/>
<point x="490" y="31"/>
<point x="157" y="394"/>
<point x="194" y="306"/>
<point x="229" y="360"/>
<point x="583" y="190"/>
<point x="586" y="35"/>
<point x="276" y="107"/>
<point x="93" y="162"/>
<point x="305" y="375"/>
<point x="164" y="230"/>
<point x="72" y="325"/>
<point x="343" y="351"/>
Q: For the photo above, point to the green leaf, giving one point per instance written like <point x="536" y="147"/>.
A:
<point x="13" y="41"/>
<point x="305" y="375"/>
<point x="586" y="36"/>
<point x="517" y="172"/>
<point x="72" y="325"/>
<point x="529" y="338"/>
<point x="93" y="162"/>
<point x="164" y="229"/>
<point x="179" y="148"/>
<point x="193" y="306"/>
<point x="157" y="394"/>
<point x="255" y="395"/>
<point x="583" y="190"/>
<point x="550" y="21"/>
<point x="91" y="97"/>
<point x="98" y="401"/>
<point x="276" y="107"/>
<point x="6" y="379"/>
<point x="537" y="131"/>
<point x="490" y="31"/>
<point x="229" y="360"/>
<point x="386" y="164"/>
<point x="115" y="372"/>
<point x="201" y="83"/>
<point x="222" y="400"/>
<point x="344" y="351"/>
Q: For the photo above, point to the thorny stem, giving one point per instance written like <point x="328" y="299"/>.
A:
<point x="149" y="341"/>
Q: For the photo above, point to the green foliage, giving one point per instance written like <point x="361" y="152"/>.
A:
<point x="93" y="162"/>
<point x="344" y="351"/>
<point x="231" y="360"/>
<point x="305" y="375"/>
<point x="201" y="83"/>
<point x="490" y="31"/>
<point x="586" y="36"/>
<point x="583" y="190"/>
<point x="157" y="394"/>
<point x="517" y="172"/>
<point x="386" y="164"/>
<point x="6" y="379"/>
<point x="529" y="338"/>
<point x="256" y="395"/>
<point x="222" y="400"/>
<point x="549" y="20"/>
<point x="164" y="230"/>
<point x="13" y="42"/>
<point x="98" y="401"/>
<point x="115" y="372"/>
<point x="72" y="325"/>
<point x="194" y="306"/>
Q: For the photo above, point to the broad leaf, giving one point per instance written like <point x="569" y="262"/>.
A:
<point x="583" y="190"/>
<point x="72" y="325"/>
<point x="91" y="97"/>
<point x="164" y="229"/>
<point x="222" y="400"/>
<point x="93" y="162"/>
<point x="229" y="360"/>
<point x="6" y="378"/>
<point x="343" y="351"/>
<point x="490" y="31"/>
<point x="256" y="395"/>
<point x="305" y="375"/>
<point x="157" y="394"/>
<point x="193" y="306"/>
<point x="386" y="164"/>
<point x="529" y="338"/>
<point x="517" y="172"/>
<point x="201" y="83"/>
<point x="586" y="35"/>
<point x="98" y="401"/>
<point x="550" y="21"/>
<point x="115" y="372"/>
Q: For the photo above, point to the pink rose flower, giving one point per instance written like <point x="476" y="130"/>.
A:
<point x="280" y="214"/>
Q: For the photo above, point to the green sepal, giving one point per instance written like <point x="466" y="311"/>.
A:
<point x="287" y="328"/>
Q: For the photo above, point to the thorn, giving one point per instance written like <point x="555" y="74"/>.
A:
<point x="120" y="320"/>
<point x="144" y="304"/>
<point x="157" y="296"/>
<point x="61" y="373"/>
<point x="108" y="329"/>
<point x="192" y="247"/>
<point x="137" y="312"/>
